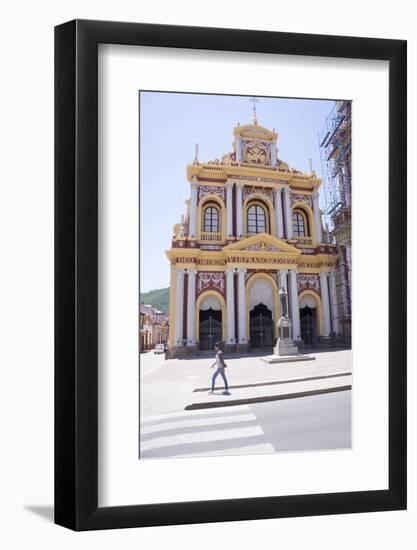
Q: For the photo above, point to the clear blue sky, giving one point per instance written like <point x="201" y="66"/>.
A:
<point x="170" y="126"/>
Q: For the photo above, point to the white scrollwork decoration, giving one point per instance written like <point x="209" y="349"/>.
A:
<point x="206" y="190"/>
<point x="208" y="279"/>
<point x="306" y="199"/>
<point x="308" y="281"/>
<point x="258" y="191"/>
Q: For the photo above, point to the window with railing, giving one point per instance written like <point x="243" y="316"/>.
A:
<point x="211" y="226"/>
<point x="211" y="219"/>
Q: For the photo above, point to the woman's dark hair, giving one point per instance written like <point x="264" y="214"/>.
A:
<point x="218" y="345"/>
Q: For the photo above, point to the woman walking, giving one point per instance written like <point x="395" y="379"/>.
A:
<point x="221" y="365"/>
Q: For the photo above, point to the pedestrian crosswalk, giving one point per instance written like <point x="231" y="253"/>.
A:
<point x="224" y="431"/>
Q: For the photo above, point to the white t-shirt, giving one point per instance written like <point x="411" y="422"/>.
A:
<point x="219" y="357"/>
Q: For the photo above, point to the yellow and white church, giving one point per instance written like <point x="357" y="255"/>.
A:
<point x="252" y="227"/>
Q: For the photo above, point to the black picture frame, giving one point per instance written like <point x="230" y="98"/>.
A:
<point x="76" y="272"/>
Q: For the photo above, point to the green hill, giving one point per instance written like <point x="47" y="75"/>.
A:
<point x="158" y="298"/>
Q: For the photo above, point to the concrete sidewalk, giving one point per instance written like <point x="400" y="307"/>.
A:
<point x="172" y="386"/>
<point x="271" y="391"/>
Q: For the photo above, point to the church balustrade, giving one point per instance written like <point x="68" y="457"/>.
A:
<point x="211" y="236"/>
<point x="304" y="240"/>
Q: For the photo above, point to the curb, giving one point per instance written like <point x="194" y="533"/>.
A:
<point x="278" y="359"/>
<point x="263" y="399"/>
<point x="284" y="381"/>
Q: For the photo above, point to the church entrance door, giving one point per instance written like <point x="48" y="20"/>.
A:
<point x="210" y="328"/>
<point x="308" y="325"/>
<point x="261" y="327"/>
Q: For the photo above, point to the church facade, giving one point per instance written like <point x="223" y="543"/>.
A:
<point x="252" y="226"/>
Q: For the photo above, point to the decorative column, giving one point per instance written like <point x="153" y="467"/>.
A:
<point x="288" y="213"/>
<point x="282" y="283"/>
<point x="324" y="287"/>
<point x="239" y="213"/>
<point x="229" y="209"/>
<point x="295" y="312"/>
<point x="179" y="307"/>
<point x="193" y="209"/>
<point x="333" y="296"/>
<point x="278" y="213"/>
<point x="191" y="307"/>
<point x="317" y="219"/>
<point x="242" y="307"/>
<point x="230" y="305"/>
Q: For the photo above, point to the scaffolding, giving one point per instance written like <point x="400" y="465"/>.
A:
<point x="335" y="152"/>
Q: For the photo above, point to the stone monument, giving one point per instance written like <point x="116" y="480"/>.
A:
<point x="285" y="344"/>
<point x="285" y="349"/>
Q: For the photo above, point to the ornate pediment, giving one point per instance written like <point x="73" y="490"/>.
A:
<point x="263" y="247"/>
<point x="262" y="242"/>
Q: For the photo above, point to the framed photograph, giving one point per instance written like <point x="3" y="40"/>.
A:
<point x="230" y="337"/>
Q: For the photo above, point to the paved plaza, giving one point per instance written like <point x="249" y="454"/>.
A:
<point x="284" y="407"/>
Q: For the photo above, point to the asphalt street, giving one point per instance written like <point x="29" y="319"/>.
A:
<point x="308" y="423"/>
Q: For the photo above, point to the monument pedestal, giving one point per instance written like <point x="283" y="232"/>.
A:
<point x="285" y="346"/>
<point x="272" y="359"/>
<point x="285" y="351"/>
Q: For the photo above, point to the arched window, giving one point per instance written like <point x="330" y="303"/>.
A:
<point x="211" y="219"/>
<point x="300" y="223"/>
<point x="257" y="220"/>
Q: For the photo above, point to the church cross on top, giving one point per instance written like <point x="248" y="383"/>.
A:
<point x="254" y="100"/>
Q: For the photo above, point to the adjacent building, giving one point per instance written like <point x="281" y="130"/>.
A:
<point x="153" y="327"/>
<point x="336" y="148"/>
<point x="252" y="226"/>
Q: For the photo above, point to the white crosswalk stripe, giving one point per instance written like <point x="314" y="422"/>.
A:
<point x="189" y="414"/>
<point x="195" y="422"/>
<point x="200" y="437"/>
<point x="202" y="433"/>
